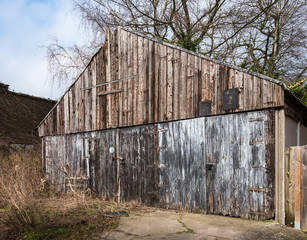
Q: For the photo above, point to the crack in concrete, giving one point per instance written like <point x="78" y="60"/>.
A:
<point x="188" y="230"/>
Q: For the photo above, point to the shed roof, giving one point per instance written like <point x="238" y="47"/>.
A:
<point x="20" y="114"/>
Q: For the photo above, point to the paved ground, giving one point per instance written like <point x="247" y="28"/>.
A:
<point x="160" y="224"/>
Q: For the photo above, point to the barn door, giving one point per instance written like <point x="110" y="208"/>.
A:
<point x="260" y="153"/>
<point x="221" y="164"/>
<point x="137" y="167"/>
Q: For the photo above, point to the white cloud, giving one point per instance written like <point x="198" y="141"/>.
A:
<point x="26" y="26"/>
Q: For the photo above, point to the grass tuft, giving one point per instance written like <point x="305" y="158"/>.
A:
<point x="28" y="210"/>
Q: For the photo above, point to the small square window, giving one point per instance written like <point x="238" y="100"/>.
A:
<point x="205" y="109"/>
<point x="230" y="99"/>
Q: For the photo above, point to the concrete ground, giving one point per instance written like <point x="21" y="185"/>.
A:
<point x="163" y="224"/>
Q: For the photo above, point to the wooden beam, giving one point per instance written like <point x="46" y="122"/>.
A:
<point x="110" y="92"/>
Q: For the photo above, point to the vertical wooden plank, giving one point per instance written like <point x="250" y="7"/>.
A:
<point x="280" y="166"/>
<point x="289" y="208"/>
<point x="119" y="53"/>
<point x="157" y="82"/>
<point x="94" y="94"/>
<point x="196" y="82"/>
<point x="71" y="107"/>
<point x="130" y="56"/>
<point x="170" y="80"/>
<point x="183" y="86"/>
<point x="90" y="96"/>
<point x="239" y="83"/>
<point x="267" y="94"/>
<point x="151" y="81"/>
<point x="248" y="94"/>
<point x="162" y="85"/>
<point x="145" y="81"/>
<point x="108" y="79"/>
<point x="258" y="91"/>
<point x="86" y="95"/>
<point x="176" y="96"/>
<point x="114" y="76"/>
<point x="297" y="188"/>
<point x="205" y="80"/>
<point x="135" y="80"/>
<point x="98" y="89"/>
<point x="278" y="95"/>
<point x="57" y="122"/>
<point x="221" y="86"/>
<point x="213" y="87"/>
<point x="231" y="79"/>
<point x="190" y="80"/>
<point x="141" y="80"/>
<point x="124" y="64"/>
<point x="79" y="105"/>
<point x="304" y="187"/>
<point x="103" y="99"/>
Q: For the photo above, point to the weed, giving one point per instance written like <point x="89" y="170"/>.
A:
<point x="113" y="208"/>
<point x="188" y="230"/>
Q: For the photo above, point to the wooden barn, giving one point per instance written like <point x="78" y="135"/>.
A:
<point x="19" y="116"/>
<point x="151" y="122"/>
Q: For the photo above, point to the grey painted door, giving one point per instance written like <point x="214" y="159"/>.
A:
<point x="221" y="164"/>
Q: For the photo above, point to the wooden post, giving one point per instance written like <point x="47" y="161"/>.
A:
<point x="118" y="165"/>
<point x="304" y="187"/>
<point x="298" y="185"/>
<point x="280" y="178"/>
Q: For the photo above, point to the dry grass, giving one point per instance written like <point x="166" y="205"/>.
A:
<point x="29" y="211"/>
<point x="20" y="184"/>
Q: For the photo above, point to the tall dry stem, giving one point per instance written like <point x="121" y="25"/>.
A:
<point x="20" y="184"/>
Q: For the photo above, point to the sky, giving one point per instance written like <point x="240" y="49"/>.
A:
<point x="26" y="28"/>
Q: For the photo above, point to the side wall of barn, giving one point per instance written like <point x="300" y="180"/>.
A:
<point x="219" y="164"/>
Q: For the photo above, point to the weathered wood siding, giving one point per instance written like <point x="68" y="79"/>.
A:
<point x="169" y="84"/>
<point x="220" y="164"/>
<point x="296" y="186"/>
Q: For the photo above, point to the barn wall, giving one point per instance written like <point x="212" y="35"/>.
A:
<point x="164" y="83"/>
<point x="221" y="164"/>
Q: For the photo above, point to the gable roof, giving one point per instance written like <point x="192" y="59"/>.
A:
<point x="281" y="84"/>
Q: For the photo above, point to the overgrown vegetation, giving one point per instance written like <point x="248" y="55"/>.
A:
<point x="299" y="89"/>
<point x="28" y="210"/>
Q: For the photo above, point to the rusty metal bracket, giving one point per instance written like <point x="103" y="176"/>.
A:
<point x="118" y="158"/>
<point x="258" y="189"/>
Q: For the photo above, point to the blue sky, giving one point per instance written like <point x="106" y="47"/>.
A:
<point x="26" y="26"/>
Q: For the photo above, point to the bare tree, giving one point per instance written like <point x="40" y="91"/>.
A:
<point x="182" y="22"/>
<point x="275" y="43"/>
<point x="66" y="63"/>
<point x="266" y="36"/>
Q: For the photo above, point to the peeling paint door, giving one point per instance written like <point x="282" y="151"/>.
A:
<point x="221" y="164"/>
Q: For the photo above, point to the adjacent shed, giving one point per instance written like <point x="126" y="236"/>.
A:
<point x="152" y="122"/>
<point x="19" y="116"/>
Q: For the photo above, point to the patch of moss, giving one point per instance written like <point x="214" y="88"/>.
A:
<point x="188" y="230"/>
